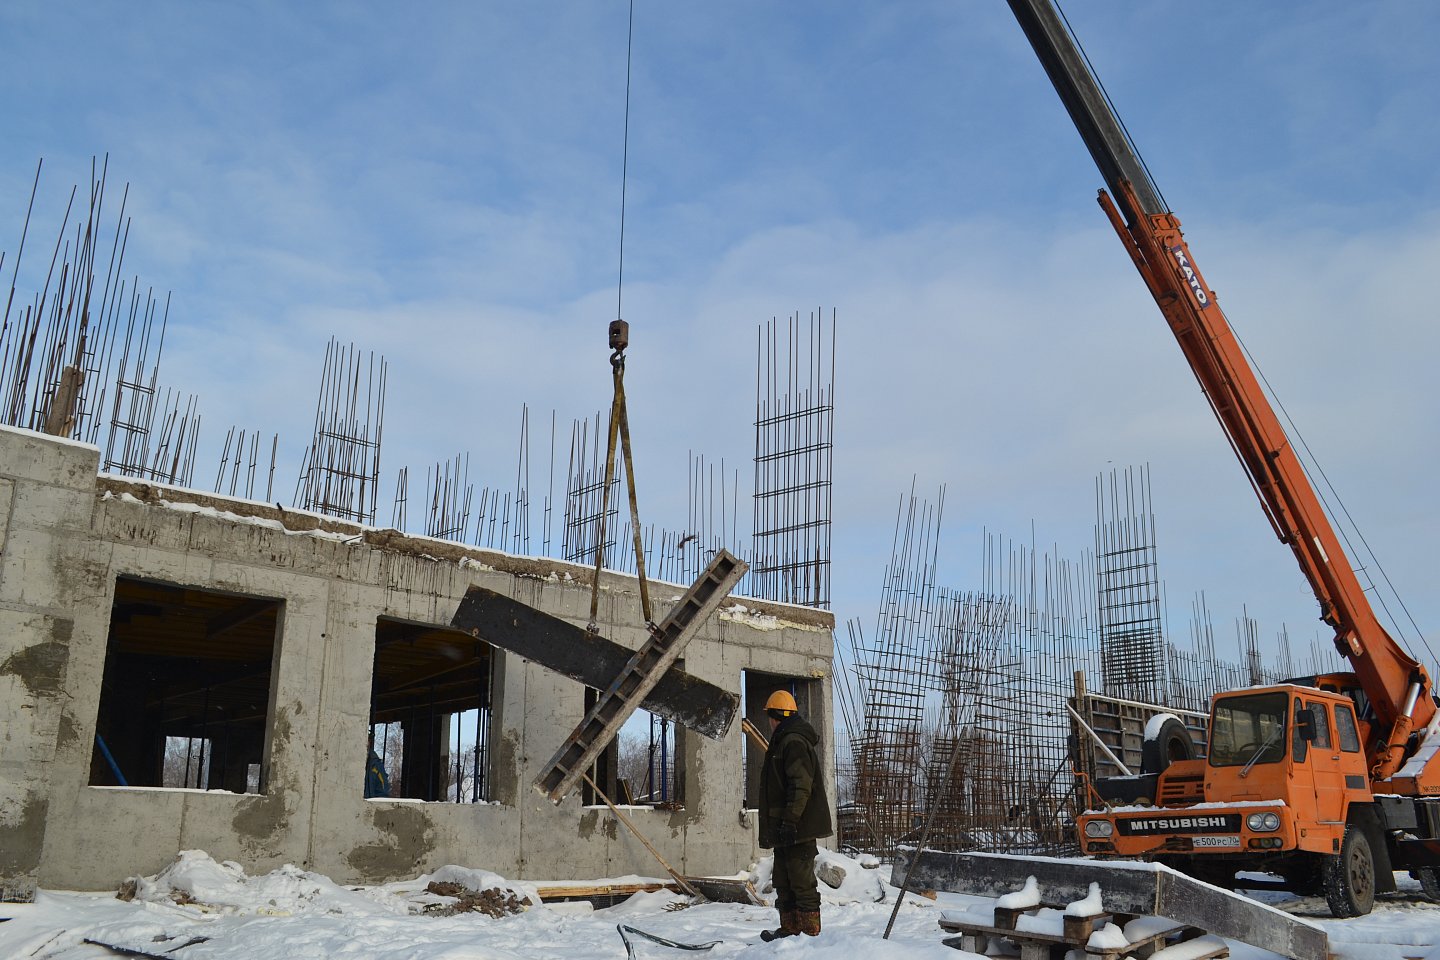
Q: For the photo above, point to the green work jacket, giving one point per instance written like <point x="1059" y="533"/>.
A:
<point x="791" y="784"/>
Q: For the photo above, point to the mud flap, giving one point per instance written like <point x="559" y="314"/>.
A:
<point x="1366" y="819"/>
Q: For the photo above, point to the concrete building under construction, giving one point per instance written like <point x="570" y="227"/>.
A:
<point x="271" y="644"/>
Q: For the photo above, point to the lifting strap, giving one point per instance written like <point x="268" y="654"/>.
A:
<point x="619" y="334"/>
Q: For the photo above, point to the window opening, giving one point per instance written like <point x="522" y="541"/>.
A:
<point x="430" y="714"/>
<point x="187" y="762"/>
<point x="185" y="691"/>
<point x="604" y="772"/>
<point x="649" y="760"/>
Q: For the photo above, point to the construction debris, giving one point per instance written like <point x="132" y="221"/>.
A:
<point x="492" y="901"/>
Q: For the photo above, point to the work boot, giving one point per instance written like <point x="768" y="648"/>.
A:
<point x="789" y="926"/>
<point x="809" y="922"/>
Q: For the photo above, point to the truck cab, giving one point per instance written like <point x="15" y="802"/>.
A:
<point x="1283" y="790"/>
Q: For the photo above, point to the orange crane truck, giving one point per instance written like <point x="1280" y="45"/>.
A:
<point x="1330" y="783"/>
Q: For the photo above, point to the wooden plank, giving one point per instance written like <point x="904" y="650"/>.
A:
<point x="1009" y="933"/>
<point x="585" y="891"/>
<point x="645" y="669"/>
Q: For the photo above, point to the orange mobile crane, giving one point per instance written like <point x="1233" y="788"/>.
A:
<point x="1329" y="782"/>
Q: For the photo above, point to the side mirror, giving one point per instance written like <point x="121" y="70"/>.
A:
<point x="1305" y="723"/>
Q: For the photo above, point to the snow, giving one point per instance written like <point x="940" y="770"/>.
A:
<point x="1142" y="927"/>
<point x="1108" y="937"/>
<point x="1429" y="746"/>
<point x="1046" y="921"/>
<point x="1180" y="811"/>
<point x="1091" y="906"/>
<point x="1153" y="725"/>
<point x="293" y="914"/>
<point x="740" y="613"/>
<point x="1189" y="949"/>
<point x="862" y="883"/>
<point x="1023" y="899"/>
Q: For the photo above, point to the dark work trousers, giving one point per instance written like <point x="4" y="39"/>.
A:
<point x="794" y="877"/>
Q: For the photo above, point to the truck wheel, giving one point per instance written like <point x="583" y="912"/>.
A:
<point x="1171" y="742"/>
<point x="1349" y="876"/>
<point x="1429" y="878"/>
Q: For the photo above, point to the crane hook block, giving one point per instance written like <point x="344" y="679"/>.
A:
<point x="619" y="334"/>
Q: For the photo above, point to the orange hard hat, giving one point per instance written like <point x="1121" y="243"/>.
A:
<point x="781" y="700"/>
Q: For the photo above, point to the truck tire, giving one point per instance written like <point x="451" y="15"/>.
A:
<point x="1348" y="877"/>
<point x="1170" y="743"/>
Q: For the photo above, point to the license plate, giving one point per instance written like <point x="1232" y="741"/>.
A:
<point x="1216" y="841"/>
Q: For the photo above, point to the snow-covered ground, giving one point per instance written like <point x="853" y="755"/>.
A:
<point x="198" y="909"/>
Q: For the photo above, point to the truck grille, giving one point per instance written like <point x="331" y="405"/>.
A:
<point x="1179" y="823"/>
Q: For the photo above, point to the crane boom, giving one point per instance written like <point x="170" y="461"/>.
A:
<point x="1397" y="686"/>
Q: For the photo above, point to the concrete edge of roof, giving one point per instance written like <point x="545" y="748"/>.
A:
<point x="386" y="538"/>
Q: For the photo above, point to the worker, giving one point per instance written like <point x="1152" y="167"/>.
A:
<point x="794" y="813"/>
<point x="377" y="784"/>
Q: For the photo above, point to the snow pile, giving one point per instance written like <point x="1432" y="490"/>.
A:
<point x="842" y="879"/>
<point x="1108" y="937"/>
<point x="980" y="916"/>
<point x="197" y="881"/>
<point x="740" y="613"/>
<point x="1023" y="899"/>
<point x="1091" y="906"/>
<point x="1189" y="949"/>
<point x="1046" y="920"/>
<point x="467" y="890"/>
<point x="1143" y="928"/>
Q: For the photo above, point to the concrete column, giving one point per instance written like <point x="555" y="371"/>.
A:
<point x="47" y="491"/>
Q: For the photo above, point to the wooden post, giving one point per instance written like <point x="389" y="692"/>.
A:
<point x="754" y="733"/>
<point x="684" y="884"/>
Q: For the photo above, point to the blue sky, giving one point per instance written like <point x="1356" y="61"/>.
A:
<point x="442" y="186"/>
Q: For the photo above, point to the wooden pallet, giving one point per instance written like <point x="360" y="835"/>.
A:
<point x="1074" y="935"/>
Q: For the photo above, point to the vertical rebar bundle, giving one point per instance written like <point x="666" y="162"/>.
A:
<point x="60" y="351"/>
<point x="895" y="676"/>
<point x="239" y="459"/>
<point x="585" y="495"/>
<point x="794" y="446"/>
<point x="712" y="520"/>
<point x="340" y="476"/>
<point x="1128" y="586"/>
<point x="448" y="504"/>
<point x="992" y="672"/>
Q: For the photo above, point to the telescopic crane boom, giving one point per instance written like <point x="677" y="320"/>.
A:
<point x="1398" y="687"/>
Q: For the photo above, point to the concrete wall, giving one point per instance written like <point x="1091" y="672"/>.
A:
<point x="66" y="535"/>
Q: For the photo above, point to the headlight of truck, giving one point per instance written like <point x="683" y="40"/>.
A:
<point x="1099" y="828"/>
<point x="1263" y="822"/>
